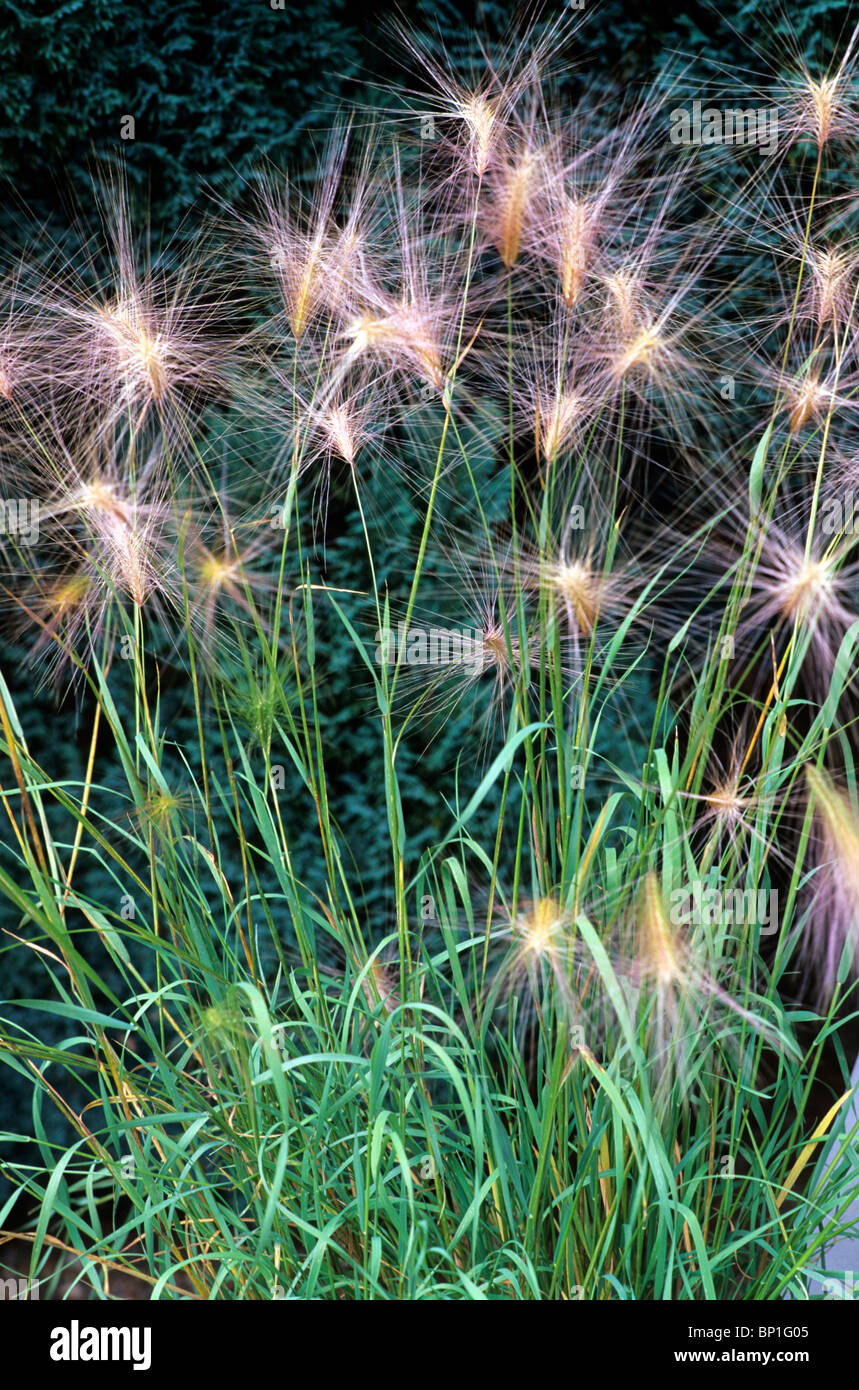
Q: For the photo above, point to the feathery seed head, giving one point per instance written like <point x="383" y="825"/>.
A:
<point x="659" y="955"/>
<point x="624" y="288"/>
<point x="339" y="426"/>
<point x="405" y="336"/>
<point x="481" y="121"/>
<point x="579" y="589"/>
<point x="808" y="400"/>
<point x="820" y="110"/>
<point x="725" y="801"/>
<point x="642" y="351"/>
<point x="542" y="929"/>
<point x="821" y="107"/>
<point x="142" y="355"/>
<point x="807" y="588"/>
<point x="575" y="237"/>
<point x="561" y="421"/>
<point x="513" y="189"/>
<point x="833" y="920"/>
<point x="840" y="820"/>
<point x="828" y="299"/>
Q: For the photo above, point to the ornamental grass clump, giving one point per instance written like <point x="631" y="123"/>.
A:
<point x="440" y="571"/>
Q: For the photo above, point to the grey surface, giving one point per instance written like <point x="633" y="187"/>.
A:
<point x="841" y="1259"/>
